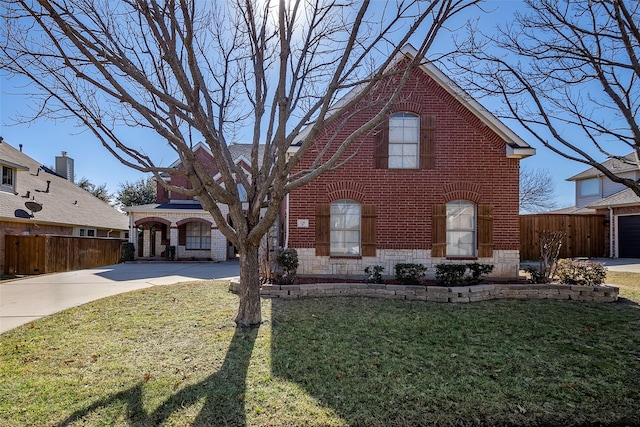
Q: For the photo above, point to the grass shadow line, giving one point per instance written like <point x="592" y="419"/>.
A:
<point x="223" y="393"/>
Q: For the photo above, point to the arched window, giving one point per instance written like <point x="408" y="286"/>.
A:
<point x="461" y="228"/>
<point x="345" y="227"/>
<point x="404" y="137"/>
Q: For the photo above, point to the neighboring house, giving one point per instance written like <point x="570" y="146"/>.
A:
<point x="618" y="203"/>
<point x="38" y="201"/>
<point x="437" y="182"/>
<point x="178" y="221"/>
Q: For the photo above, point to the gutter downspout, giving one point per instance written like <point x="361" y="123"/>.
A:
<point x="131" y="233"/>
<point x="286" y="223"/>
<point x="610" y="232"/>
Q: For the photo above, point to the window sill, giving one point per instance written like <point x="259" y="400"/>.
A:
<point x="462" y="258"/>
<point x="345" y="257"/>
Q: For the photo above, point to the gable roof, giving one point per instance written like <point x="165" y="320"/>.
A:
<point x="238" y="152"/>
<point x="64" y="204"/>
<point x="624" y="197"/>
<point x="615" y="165"/>
<point x="516" y="147"/>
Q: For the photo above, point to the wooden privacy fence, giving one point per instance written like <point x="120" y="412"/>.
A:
<point x="54" y="254"/>
<point x="585" y="235"/>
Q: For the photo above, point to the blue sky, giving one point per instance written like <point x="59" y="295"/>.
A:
<point x="44" y="139"/>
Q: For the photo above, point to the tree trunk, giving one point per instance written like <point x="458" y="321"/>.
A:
<point x="249" y="310"/>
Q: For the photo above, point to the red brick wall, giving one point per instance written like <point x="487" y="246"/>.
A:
<point x="470" y="164"/>
<point x="182" y="181"/>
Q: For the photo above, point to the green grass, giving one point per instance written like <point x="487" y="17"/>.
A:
<point x="171" y="355"/>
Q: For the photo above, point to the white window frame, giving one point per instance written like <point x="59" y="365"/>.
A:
<point x="592" y="187"/>
<point x="200" y="240"/>
<point x="10" y="184"/>
<point x="87" y="232"/>
<point x="345" y="229"/>
<point x="462" y="229"/>
<point x="404" y="141"/>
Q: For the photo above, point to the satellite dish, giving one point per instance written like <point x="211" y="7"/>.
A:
<point x="33" y="206"/>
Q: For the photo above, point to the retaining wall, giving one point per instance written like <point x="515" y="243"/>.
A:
<point x="462" y="294"/>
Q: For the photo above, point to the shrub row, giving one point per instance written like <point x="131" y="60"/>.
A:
<point x="446" y="274"/>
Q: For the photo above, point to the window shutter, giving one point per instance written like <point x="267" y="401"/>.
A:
<point x="381" y="148"/>
<point x="485" y="231"/>
<point x="368" y="231"/>
<point x="438" y="231"/>
<point x="182" y="235"/>
<point x="323" y="229"/>
<point x="427" y="142"/>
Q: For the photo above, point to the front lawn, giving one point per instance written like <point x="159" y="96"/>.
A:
<point x="171" y="355"/>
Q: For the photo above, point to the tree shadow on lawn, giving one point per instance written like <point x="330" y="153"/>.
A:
<point x="223" y="393"/>
<point x="449" y="365"/>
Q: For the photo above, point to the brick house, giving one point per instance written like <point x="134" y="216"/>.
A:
<point x="179" y="221"/>
<point x="35" y="200"/>
<point x="436" y="182"/>
<point x="595" y="193"/>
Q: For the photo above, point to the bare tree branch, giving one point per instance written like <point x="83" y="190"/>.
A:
<point x="568" y="72"/>
<point x="184" y="69"/>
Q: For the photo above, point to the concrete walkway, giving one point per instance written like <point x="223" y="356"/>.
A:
<point x="25" y="300"/>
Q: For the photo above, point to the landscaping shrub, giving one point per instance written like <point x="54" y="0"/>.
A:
<point x="410" y="274"/>
<point x="450" y="274"/>
<point x="459" y="274"/>
<point x="586" y="273"/>
<point x="374" y="274"/>
<point x="537" y="276"/>
<point x="287" y="266"/>
<point x="478" y="270"/>
<point x="128" y="251"/>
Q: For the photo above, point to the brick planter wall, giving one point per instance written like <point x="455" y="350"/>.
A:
<point x="461" y="294"/>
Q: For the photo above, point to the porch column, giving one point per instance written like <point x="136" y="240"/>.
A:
<point x="146" y="242"/>
<point x="218" y="245"/>
<point x="173" y="237"/>
<point x="158" y="241"/>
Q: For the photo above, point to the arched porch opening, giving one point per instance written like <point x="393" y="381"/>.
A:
<point x="153" y="237"/>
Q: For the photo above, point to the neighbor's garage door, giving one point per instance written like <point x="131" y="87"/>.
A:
<point x="629" y="235"/>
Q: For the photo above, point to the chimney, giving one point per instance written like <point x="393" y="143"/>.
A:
<point x="64" y="166"/>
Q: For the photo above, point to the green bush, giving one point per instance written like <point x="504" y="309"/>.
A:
<point x="537" y="276"/>
<point x="374" y="274"/>
<point x="287" y="261"/>
<point x="410" y="274"/>
<point x="450" y="274"/>
<point x="586" y="273"/>
<point x="127" y="251"/>
<point x="459" y="274"/>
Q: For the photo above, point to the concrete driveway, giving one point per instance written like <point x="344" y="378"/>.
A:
<point x="25" y="300"/>
<point x="631" y="265"/>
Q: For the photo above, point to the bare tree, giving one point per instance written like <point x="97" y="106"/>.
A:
<point x="210" y="69"/>
<point x="536" y="190"/>
<point x="569" y="72"/>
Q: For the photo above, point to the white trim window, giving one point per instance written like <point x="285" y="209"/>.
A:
<point x="198" y="236"/>
<point x="589" y="187"/>
<point x="461" y="228"/>
<point x="345" y="227"/>
<point x="8" y="178"/>
<point x="87" y="232"/>
<point x="404" y="136"/>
